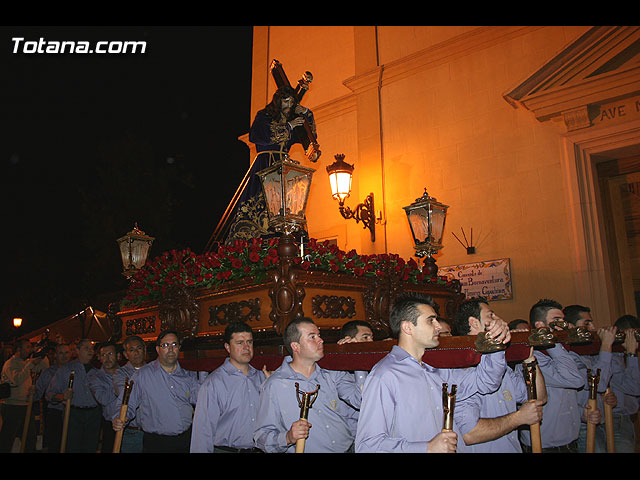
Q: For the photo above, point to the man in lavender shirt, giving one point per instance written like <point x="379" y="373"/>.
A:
<point x="163" y="396"/>
<point x="84" y="420"/>
<point x="401" y="408"/>
<point x="489" y="423"/>
<point x="625" y="383"/>
<point x="227" y="406"/>
<point x="134" y="350"/>
<point x="562" y="415"/>
<point x="101" y="385"/>
<point x="580" y="316"/>
<point x="328" y="428"/>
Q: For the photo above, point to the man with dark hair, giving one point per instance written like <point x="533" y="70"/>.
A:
<point x="165" y="394"/>
<point x="489" y="422"/>
<point x="134" y="350"/>
<point x="227" y="406"/>
<point x="562" y="416"/>
<point x="355" y="331"/>
<point x="625" y="384"/>
<point x="580" y="316"/>
<point x="279" y="426"/>
<point x="402" y="407"/>
<point x="519" y="324"/>
<point x="545" y="312"/>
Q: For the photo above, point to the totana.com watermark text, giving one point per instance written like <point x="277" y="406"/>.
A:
<point x="20" y="45"/>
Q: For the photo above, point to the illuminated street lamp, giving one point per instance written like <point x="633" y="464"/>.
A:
<point x="17" y="321"/>
<point x="426" y="218"/>
<point x="134" y="249"/>
<point x="340" y="178"/>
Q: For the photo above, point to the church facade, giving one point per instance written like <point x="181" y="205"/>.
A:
<point x="530" y="134"/>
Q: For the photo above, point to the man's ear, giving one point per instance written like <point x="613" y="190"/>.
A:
<point x="474" y="322"/>
<point x="406" y="327"/>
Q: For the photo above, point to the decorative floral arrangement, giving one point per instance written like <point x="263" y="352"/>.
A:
<point x="252" y="259"/>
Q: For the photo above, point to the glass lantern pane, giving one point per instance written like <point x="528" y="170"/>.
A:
<point x="273" y="192"/>
<point x="139" y="251"/>
<point x="437" y="217"/>
<point x="124" y="251"/>
<point x="419" y="221"/>
<point x="340" y="184"/>
<point x="297" y="189"/>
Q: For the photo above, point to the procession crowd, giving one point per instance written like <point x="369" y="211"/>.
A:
<point x="398" y="406"/>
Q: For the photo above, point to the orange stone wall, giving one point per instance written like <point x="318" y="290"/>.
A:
<point x="422" y="107"/>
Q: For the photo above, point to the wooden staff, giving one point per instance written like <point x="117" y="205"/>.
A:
<point x="593" y="404"/>
<point x="305" y="401"/>
<point x="529" y="371"/>
<point x="448" y="406"/>
<point x="608" y="421"/>
<point x="67" y="412"/>
<point x="123" y="415"/>
<point x="27" y="418"/>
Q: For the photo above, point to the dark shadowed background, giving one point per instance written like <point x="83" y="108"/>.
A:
<point x="90" y="144"/>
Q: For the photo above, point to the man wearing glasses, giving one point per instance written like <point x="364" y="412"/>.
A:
<point x="163" y="396"/>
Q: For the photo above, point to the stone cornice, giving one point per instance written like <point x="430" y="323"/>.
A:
<point x="475" y="40"/>
<point x="599" y="67"/>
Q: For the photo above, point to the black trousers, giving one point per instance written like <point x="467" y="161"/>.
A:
<point x="155" y="443"/>
<point x="108" y="436"/>
<point x="84" y="430"/>
<point x="54" y="429"/>
<point x="13" y="425"/>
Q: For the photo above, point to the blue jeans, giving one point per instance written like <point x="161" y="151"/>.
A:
<point x="131" y="441"/>
<point x="623" y="436"/>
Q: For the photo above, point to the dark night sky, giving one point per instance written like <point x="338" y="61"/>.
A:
<point x="91" y="143"/>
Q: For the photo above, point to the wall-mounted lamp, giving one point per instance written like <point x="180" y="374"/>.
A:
<point x="340" y="177"/>
<point x="426" y="218"/>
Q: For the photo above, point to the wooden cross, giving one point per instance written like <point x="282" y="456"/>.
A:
<point x="304" y="132"/>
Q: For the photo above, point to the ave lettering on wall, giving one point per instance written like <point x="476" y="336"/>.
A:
<point x="490" y="279"/>
<point x="622" y="110"/>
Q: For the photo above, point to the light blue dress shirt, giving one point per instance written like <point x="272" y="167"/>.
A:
<point x="162" y="401"/>
<point x="561" y="415"/>
<point x="401" y="407"/>
<point x="329" y="415"/>
<point x="227" y="409"/>
<point x="82" y="395"/>
<point x="504" y="401"/>
<point x="101" y="385"/>
<point x="123" y="374"/>
<point x="625" y="383"/>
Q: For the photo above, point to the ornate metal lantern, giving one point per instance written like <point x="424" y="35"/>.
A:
<point x="134" y="249"/>
<point x="426" y="218"/>
<point x="286" y="186"/>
